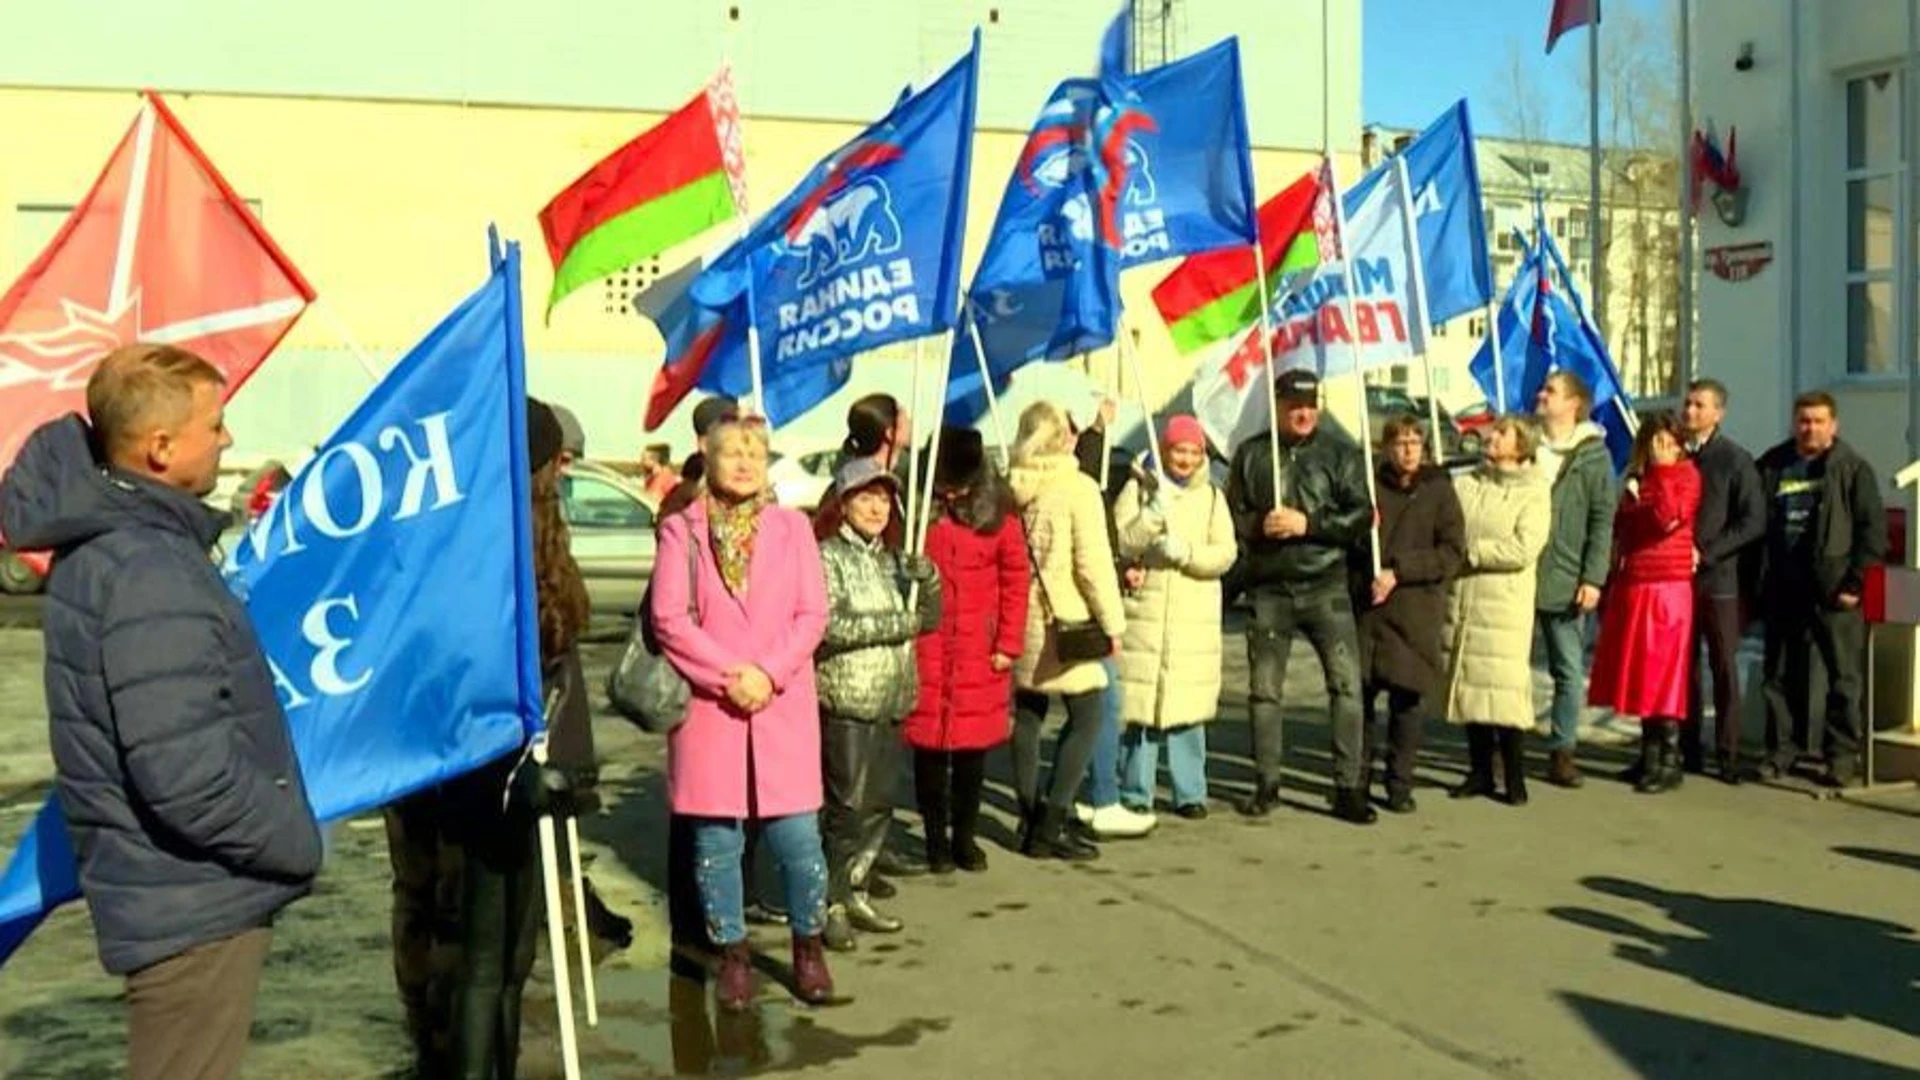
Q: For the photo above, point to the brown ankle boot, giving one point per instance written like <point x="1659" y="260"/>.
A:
<point x="1562" y="772"/>
<point x="812" y="983"/>
<point x="734" y="986"/>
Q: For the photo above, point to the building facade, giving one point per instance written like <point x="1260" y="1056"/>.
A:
<point x="1823" y="98"/>
<point x="1639" y="234"/>
<point x="378" y="140"/>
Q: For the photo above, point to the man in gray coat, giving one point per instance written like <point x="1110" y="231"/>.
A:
<point x="172" y="759"/>
<point x="1573" y="454"/>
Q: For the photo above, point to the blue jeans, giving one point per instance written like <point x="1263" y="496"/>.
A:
<point x="719" y="845"/>
<point x="1186" y="764"/>
<point x="1565" y="636"/>
<point x="1103" y="773"/>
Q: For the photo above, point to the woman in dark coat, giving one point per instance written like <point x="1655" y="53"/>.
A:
<point x="966" y="663"/>
<point x="1422" y="541"/>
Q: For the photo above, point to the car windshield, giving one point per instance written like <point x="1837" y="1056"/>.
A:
<point x="592" y="503"/>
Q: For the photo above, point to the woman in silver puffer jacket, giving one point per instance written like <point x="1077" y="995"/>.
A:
<point x="868" y="683"/>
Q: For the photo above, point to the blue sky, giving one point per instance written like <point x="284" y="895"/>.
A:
<point x="1419" y="56"/>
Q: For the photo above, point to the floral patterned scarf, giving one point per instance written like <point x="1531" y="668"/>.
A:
<point x="733" y="527"/>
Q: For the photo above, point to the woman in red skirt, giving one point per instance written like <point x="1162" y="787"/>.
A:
<point x="1642" y="665"/>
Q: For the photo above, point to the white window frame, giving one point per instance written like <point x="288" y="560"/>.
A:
<point x="1890" y="276"/>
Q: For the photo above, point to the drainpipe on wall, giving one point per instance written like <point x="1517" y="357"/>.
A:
<point x="1790" y="313"/>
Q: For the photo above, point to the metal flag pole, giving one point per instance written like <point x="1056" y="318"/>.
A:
<point x="1683" y="315"/>
<point x="1364" y="434"/>
<point x="556" y="928"/>
<point x="986" y="381"/>
<point x="913" y="459"/>
<point x="1131" y="357"/>
<point x="1417" y="293"/>
<point x="918" y="540"/>
<point x="1273" y="375"/>
<point x="1499" y="363"/>
<point x="1593" y="172"/>
<point x="588" y="990"/>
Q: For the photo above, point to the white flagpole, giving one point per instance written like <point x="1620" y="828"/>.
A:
<point x="1499" y="365"/>
<point x="1131" y="357"/>
<point x="1417" y="293"/>
<point x="1273" y="375"/>
<point x="919" y="538"/>
<point x="339" y="330"/>
<point x="1365" y="431"/>
<point x="1593" y="169"/>
<point x="587" y="989"/>
<point x="556" y="930"/>
<point x="993" y="396"/>
<point x="913" y="460"/>
<point x="1111" y="394"/>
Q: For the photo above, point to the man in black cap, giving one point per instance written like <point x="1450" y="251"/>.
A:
<point x="1295" y="542"/>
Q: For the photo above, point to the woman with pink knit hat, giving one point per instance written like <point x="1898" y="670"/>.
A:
<point x="1176" y="538"/>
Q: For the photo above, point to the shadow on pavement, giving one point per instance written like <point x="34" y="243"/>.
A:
<point x="1820" y="963"/>
<point x="1659" y="1045"/>
<point x="1903" y="859"/>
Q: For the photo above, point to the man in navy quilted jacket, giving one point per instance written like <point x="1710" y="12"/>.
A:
<point x="173" y="762"/>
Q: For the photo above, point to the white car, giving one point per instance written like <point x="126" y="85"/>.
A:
<point x="800" y="481"/>
<point x="611" y="518"/>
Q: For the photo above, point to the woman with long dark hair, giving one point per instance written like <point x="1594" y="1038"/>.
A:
<point x="966" y="663"/>
<point x="466" y="868"/>
<point x="1643" y="659"/>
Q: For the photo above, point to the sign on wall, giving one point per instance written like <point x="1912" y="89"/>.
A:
<point x="1738" y="262"/>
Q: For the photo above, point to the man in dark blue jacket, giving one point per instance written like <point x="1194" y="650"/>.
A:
<point x="173" y="762"/>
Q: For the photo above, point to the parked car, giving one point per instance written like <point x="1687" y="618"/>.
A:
<point x="1385" y="402"/>
<point x="1475" y="417"/>
<point x="611" y="518"/>
<point x="800" y="481"/>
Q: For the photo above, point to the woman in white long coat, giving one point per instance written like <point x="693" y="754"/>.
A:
<point x="1508" y="505"/>
<point x="1177" y="541"/>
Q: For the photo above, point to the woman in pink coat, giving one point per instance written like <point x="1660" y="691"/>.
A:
<point x="739" y="617"/>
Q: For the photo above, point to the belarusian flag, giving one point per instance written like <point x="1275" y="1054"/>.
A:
<point x="666" y="186"/>
<point x="1212" y="296"/>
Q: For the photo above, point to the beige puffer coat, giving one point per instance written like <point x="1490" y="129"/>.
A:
<point x="1170" y="659"/>
<point x="1489" y="632"/>
<point x="1066" y="525"/>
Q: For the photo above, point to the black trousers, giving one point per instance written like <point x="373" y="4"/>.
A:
<point x="1798" y="630"/>
<point x="1717" y="626"/>
<point x="948" y="785"/>
<point x="860" y="757"/>
<point x="1070" y="757"/>
<point x="1406" y="714"/>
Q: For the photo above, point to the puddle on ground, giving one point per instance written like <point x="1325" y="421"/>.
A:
<point x="657" y="1024"/>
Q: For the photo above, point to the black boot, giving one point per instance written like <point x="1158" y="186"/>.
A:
<point x="1653" y="752"/>
<point x="969" y="775"/>
<point x="1479" y="780"/>
<point x="1670" y="767"/>
<point x="1052" y="839"/>
<point x="1513" y="763"/>
<point x="1642" y="766"/>
<point x="931" y="785"/>
<point x="1350" y="804"/>
<point x="1262" y="802"/>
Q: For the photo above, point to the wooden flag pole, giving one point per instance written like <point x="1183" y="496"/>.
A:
<point x="1364" y="434"/>
<point x="1417" y="293"/>
<point x="556" y="928"/>
<point x="588" y="990"/>
<point x="993" y="396"/>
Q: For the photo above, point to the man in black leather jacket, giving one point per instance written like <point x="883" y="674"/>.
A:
<point x="1295" y="551"/>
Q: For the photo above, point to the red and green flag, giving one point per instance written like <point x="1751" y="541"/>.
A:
<point x="674" y="181"/>
<point x="1214" y="295"/>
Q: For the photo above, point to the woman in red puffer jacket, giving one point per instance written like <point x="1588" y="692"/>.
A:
<point x="966" y="664"/>
<point x="1643" y="661"/>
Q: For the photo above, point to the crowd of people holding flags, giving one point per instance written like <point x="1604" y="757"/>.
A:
<point x="937" y="601"/>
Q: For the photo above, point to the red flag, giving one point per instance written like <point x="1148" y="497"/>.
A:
<point x="160" y="250"/>
<point x="1568" y="15"/>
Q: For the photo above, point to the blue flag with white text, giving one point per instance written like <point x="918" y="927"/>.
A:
<point x="391" y="586"/>
<point x="864" y="252"/>
<point x="1445" y="174"/>
<point x="1117" y="172"/>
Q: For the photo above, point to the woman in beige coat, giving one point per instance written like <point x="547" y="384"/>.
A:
<point x="1508" y="506"/>
<point x="1066" y="526"/>
<point x="1177" y="542"/>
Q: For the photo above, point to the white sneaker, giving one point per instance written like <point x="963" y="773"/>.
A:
<point x="1116" y="822"/>
<point x="1083" y="813"/>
